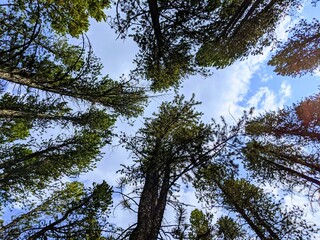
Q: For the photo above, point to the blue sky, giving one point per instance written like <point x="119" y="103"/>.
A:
<point x="245" y="84"/>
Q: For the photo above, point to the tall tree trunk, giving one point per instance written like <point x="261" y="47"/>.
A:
<point x="147" y="205"/>
<point x="151" y="207"/>
<point x="7" y="113"/>
<point x="155" y="17"/>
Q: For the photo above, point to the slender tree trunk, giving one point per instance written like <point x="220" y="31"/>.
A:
<point x="6" y="113"/>
<point x="295" y="173"/>
<point x="65" y="90"/>
<point x="246" y="17"/>
<point x="236" y="17"/>
<point x="161" y="205"/>
<point x="155" y="17"/>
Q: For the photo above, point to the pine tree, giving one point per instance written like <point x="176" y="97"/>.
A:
<point x="171" y="147"/>
<point x="71" y="212"/>
<point x="200" y="228"/>
<point x="284" y="146"/>
<point x="264" y="217"/>
<point x="178" y="38"/>
<point x="300" y="54"/>
<point x="175" y="145"/>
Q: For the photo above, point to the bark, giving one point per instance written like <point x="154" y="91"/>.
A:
<point x="147" y="205"/>
<point x="33" y="115"/>
<point x="236" y="17"/>
<point x="155" y="18"/>
<point x="152" y="204"/>
<point x="294" y="173"/>
<point x="161" y="204"/>
<point x="97" y="97"/>
<point x="246" y="17"/>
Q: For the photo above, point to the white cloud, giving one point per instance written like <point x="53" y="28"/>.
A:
<point x="266" y="77"/>
<point x="285" y="89"/>
<point x="317" y="72"/>
<point x="266" y="99"/>
<point x="282" y="29"/>
<point x="222" y="93"/>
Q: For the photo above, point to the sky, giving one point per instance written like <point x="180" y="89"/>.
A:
<point x="228" y="92"/>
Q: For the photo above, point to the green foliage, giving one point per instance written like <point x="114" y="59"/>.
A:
<point x="65" y="17"/>
<point x="179" y="38"/>
<point x="34" y="165"/>
<point x="250" y="25"/>
<point x="170" y="71"/>
<point x="284" y="146"/>
<point x="172" y="146"/>
<point x="35" y="57"/>
<point x="229" y="229"/>
<point x="259" y="211"/>
<point x="166" y="149"/>
<point x="200" y="226"/>
<point x="28" y="164"/>
<point x="12" y="130"/>
<point x="299" y="55"/>
<point x="72" y="212"/>
<point x="58" y="87"/>
<point x="176" y="39"/>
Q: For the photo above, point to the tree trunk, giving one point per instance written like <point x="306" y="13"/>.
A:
<point x="151" y="207"/>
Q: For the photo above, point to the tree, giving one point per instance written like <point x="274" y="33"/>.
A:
<point x="171" y="147"/>
<point x="228" y="229"/>
<point x="284" y="146"/>
<point x="29" y="163"/>
<point x="72" y="212"/>
<point x="56" y="85"/>
<point x="32" y="55"/>
<point x="178" y="38"/>
<point x="200" y="226"/>
<point x="70" y="17"/>
<point x="299" y="55"/>
<point x="25" y="170"/>
<point x="52" y="76"/>
<point x="265" y="217"/>
<point x="60" y="85"/>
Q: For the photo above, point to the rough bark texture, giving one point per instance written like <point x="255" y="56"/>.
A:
<point x="152" y="205"/>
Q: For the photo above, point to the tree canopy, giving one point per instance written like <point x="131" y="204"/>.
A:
<point x="178" y="38"/>
<point x="284" y="146"/>
<point x="64" y="17"/>
<point x="52" y="77"/>
<point x="72" y="212"/>
<point x="300" y="54"/>
<point x="56" y="113"/>
<point x="172" y="146"/>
